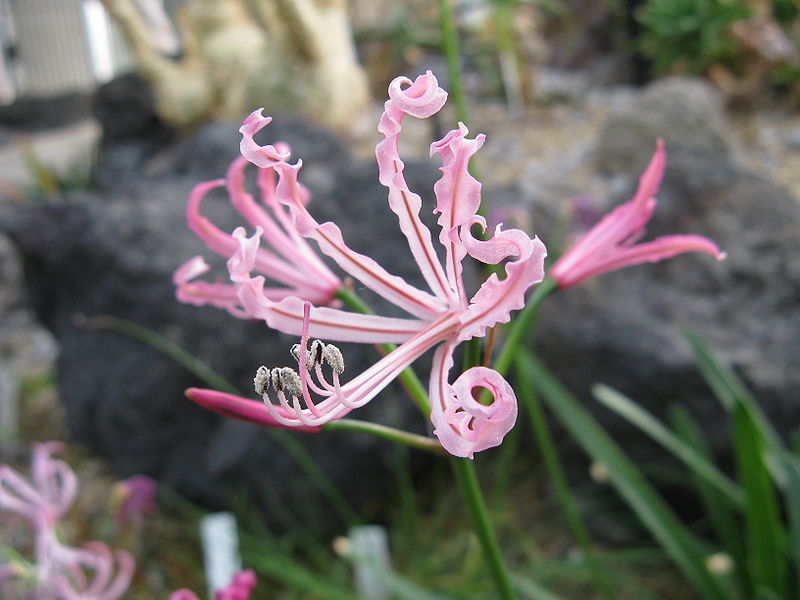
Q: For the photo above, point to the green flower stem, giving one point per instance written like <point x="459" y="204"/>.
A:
<point x="420" y="442"/>
<point x="463" y="468"/>
<point x="522" y="324"/>
<point x="408" y="378"/>
<point x="555" y="469"/>
<point x="471" y="492"/>
<point x="452" y="53"/>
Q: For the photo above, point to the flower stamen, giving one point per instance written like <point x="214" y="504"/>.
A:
<point x="310" y="379"/>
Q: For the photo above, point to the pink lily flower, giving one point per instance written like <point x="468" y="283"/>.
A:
<point x="67" y="573"/>
<point x="611" y="243"/>
<point x="288" y="261"/>
<point x="240" y="588"/>
<point x="89" y="573"/>
<point x="440" y="318"/>
<point x="47" y="496"/>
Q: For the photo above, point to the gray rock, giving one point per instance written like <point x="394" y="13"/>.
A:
<point x="113" y="253"/>
<point x="686" y="113"/>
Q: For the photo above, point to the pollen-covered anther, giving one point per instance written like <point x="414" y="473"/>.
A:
<point x="262" y="380"/>
<point x="286" y="378"/>
<point x="333" y="356"/>
<point x="319" y="352"/>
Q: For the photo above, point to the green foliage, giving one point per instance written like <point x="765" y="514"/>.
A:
<point x="753" y="521"/>
<point x="690" y="34"/>
<point x="678" y="541"/>
<point x="785" y="11"/>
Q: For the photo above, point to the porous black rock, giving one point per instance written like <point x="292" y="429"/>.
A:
<point x="132" y="131"/>
<point x="113" y="252"/>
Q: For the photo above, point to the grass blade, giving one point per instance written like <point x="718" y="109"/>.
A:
<point x="286" y="570"/>
<point x="723" y="519"/>
<point x="763" y="529"/>
<point x="636" y="415"/>
<point x="400" y="587"/>
<point x="679" y="543"/>
<point x="559" y="479"/>
<point x="792" y="468"/>
<point x="730" y="391"/>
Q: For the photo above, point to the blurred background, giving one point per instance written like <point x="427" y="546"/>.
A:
<point x="112" y="110"/>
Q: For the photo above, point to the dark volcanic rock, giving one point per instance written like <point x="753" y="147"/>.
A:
<point x="113" y="253"/>
<point x="132" y="131"/>
<point x="623" y="328"/>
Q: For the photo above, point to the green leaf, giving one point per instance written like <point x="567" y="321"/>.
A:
<point x="401" y="587"/>
<point x="547" y="447"/>
<point x="639" y="417"/>
<point x="676" y="539"/>
<point x="792" y="467"/>
<point x="732" y="393"/>
<point x="763" y="528"/>
<point x="723" y="519"/>
<point x="286" y="570"/>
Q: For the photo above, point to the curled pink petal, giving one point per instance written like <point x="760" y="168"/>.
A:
<point x="183" y="594"/>
<point x="420" y="98"/>
<point x="261" y="156"/>
<point x="462" y="424"/>
<point x="458" y="196"/>
<point x="494" y="301"/>
<point x="277" y="250"/>
<point x="402" y="201"/>
<point x="191" y="269"/>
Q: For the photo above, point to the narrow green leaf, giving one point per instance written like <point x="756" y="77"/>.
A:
<point x="725" y="522"/>
<point x="676" y="539"/>
<point x="286" y="570"/>
<point x="731" y="392"/>
<point x="400" y="586"/>
<point x="729" y="389"/>
<point x="636" y="415"/>
<point x="763" y="529"/>
<point x="792" y="467"/>
<point x="529" y="400"/>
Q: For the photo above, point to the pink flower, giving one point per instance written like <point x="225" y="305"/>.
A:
<point x="68" y="573"/>
<point x="611" y="243"/>
<point x="136" y="497"/>
<point x="47" y="496"/>
<point x="288" y="261"/>
<point x="440" y="318"/>
<point x="240" y="588"/>
<point x="88" y="573"/>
